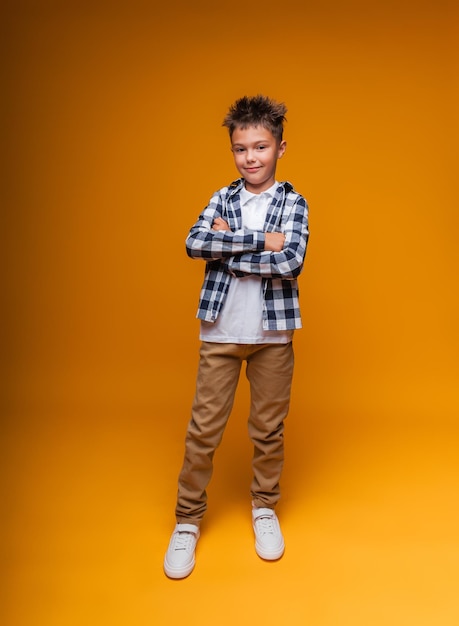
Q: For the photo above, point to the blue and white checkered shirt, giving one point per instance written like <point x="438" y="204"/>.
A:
<point x="230" y="254"/>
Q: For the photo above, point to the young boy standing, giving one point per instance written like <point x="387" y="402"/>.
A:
<point x="253" y="237"/>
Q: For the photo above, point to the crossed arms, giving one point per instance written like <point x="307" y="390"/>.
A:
<point x="247" y="252"/>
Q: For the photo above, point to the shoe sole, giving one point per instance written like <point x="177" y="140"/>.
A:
<point x="178" y="572"/>
<point x="269" y="556"/>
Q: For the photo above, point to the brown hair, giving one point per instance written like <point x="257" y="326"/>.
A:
<point x="257" y="111"/>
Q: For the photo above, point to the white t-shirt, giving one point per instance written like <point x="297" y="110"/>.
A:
<point x="240" y="320"/>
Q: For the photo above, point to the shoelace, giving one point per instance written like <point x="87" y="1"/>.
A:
<point x="183" y="540"/>
<point x="265" y="525"/>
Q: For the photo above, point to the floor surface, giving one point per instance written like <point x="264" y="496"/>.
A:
<point x="369" y="515"/>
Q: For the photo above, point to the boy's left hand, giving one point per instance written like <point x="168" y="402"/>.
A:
<point x="220" y="224"/>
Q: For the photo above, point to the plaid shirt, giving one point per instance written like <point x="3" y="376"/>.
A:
<point x="238" y="253"/>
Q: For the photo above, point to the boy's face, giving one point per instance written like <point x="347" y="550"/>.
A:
<point x="255" y="152"/>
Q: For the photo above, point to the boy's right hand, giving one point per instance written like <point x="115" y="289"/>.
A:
<point x="274" y="242"/>
<point x="220" y="224"/>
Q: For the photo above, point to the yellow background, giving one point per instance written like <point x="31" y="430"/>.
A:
<point x="112" y="145"/>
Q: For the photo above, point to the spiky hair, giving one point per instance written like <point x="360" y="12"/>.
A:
<point x="257" y="111"/>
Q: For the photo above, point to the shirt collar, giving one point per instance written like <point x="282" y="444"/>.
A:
<point x="245" y="195"/>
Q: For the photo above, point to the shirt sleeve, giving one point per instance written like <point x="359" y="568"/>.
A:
<point x="204" y="243"/>
<point x="286" y="264"/>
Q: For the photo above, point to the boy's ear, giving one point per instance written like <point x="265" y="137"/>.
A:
<point x="282" y="148"/>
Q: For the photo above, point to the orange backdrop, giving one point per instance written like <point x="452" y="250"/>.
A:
<point x="112" y="129"/>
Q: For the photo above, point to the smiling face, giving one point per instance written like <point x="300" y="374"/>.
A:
<point x="255" y="152"/>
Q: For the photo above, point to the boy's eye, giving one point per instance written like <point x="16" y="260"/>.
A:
<point x="238" y="149"/>
<point x="261" y="147"/>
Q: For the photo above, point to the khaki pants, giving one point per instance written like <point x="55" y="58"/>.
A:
<point x="269" y="371"/>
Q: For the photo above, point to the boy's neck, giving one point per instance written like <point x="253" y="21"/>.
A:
<point x="257" y="192"/>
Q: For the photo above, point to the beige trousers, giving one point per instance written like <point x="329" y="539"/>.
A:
<point x="269" y="371"/>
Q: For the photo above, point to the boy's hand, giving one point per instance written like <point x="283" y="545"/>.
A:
<point x="274" y="242"/>
<point x="220" y="224"/>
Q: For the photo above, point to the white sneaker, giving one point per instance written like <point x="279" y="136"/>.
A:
<point x="269" y="542"/>
<point x="179" y="560"/>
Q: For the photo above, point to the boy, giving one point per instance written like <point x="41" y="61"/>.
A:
<point x="253" y="237"/>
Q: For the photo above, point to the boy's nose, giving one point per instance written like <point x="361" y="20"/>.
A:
<point x="250" y="156"/>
